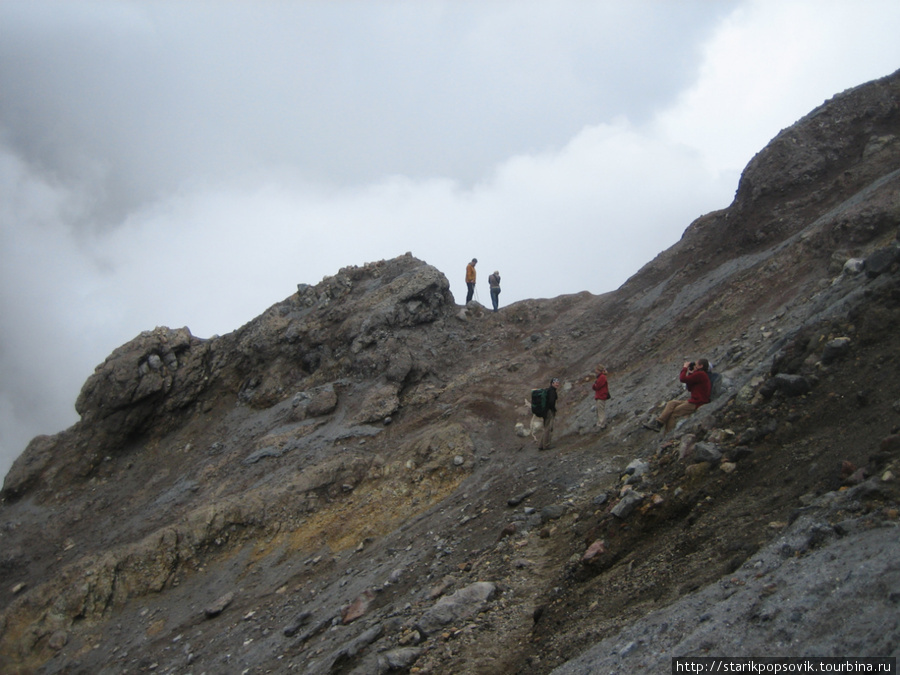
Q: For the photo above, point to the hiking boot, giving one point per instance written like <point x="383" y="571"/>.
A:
<point x="653" y="425"/>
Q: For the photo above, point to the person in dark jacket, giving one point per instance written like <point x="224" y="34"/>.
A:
<point x="494" y="283"/>
<point x="696" y="378"/>
<point x="549" y="415"/>
<point x="601" y="395"/>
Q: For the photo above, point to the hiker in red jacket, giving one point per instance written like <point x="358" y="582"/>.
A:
<point x="601" y="395"/>
<point x="695" y="376"/>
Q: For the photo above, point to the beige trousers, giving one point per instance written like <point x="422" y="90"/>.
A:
<point x="674" y="410"/>
<point x="601" y="411"/>
<point x="547" y="436"/>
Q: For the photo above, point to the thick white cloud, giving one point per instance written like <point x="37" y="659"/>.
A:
<point x="190" y="163"/>
<point x="770" y="63"/>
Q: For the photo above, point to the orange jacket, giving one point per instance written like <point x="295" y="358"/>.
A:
<point x="470" y="273"/>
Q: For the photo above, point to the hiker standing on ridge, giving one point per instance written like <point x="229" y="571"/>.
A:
<point x="601" y="395"/>
<point x="494" y="283"/>
<point x="549" y="414"/>
<point x="696" y="378"/>
<point x="470" y="279"/>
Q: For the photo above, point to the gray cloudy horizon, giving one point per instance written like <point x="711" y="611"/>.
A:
<point x="187" y="164"/>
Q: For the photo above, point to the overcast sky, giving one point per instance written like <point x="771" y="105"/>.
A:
<point x="188" y="163"/>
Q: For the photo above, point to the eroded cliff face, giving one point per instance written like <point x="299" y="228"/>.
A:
<point x="340" y="485"/>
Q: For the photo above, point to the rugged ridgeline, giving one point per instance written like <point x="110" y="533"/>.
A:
<point x="343" y="485"/>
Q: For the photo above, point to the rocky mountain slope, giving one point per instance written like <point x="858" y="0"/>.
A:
<point x="347" y="484"/>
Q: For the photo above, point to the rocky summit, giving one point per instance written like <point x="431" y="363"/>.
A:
<point x="350" y="482"/>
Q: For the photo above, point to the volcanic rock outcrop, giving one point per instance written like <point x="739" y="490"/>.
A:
<point x="338" y="486"/>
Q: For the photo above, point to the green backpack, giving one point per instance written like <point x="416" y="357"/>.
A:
<point x="539" y="402"/>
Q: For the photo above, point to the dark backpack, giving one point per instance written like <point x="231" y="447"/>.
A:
<point x="715" y="384"/>
<point x="539" y="402"/>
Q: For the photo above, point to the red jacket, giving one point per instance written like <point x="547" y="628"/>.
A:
<point x="601" y="387"/>
<point x="698" y="385"/>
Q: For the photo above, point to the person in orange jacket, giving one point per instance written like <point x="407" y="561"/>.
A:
<point x="470" y="279"/>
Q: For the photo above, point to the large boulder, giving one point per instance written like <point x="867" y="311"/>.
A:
<point x="139" y="386"/>
<point x="379" y="403"/>
<point x="314" y="402"/>
<point x="138" y="375"/>
<point x="460" y="605"/>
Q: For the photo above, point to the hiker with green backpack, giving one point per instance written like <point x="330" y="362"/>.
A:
<point x="543" y="405"/>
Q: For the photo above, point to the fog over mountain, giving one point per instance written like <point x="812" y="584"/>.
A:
<point x="353" y="482"/>
<point x="187" y="164"/>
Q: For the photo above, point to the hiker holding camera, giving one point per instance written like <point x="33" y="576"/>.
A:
<point x="494" y="283"/>
<point x="695" y="376"/>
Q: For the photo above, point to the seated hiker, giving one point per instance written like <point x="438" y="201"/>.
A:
<point x="695" y="377"/>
